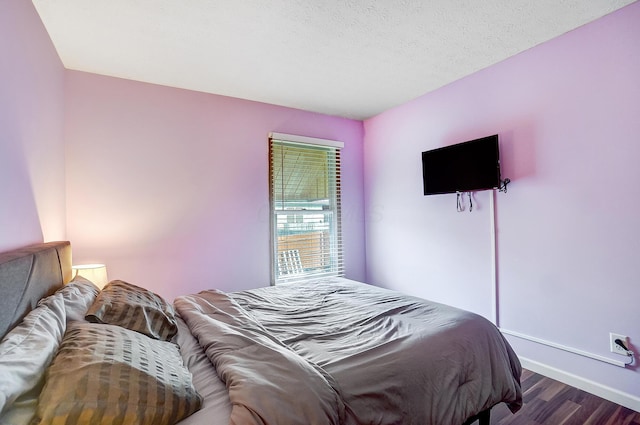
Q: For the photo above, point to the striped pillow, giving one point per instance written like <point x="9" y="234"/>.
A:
<point x="132" y="307"/>
<point x="106" y="374"/>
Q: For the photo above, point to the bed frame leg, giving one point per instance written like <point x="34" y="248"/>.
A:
<point x="483" y="418"/>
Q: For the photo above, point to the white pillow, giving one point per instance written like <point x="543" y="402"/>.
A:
<point x="28" y="349"/>
<point x="78" y="296"/>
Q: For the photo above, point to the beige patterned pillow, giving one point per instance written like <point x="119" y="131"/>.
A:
<point x="132" y="307"/>
<point x="106" y="374"/>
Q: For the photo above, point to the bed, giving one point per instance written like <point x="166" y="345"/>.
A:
<point x="329" y="352"/>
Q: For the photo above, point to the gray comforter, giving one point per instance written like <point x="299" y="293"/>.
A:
<point x="342" y="352"/>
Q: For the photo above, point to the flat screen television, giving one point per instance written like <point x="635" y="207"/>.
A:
<point x="463" y="167"/>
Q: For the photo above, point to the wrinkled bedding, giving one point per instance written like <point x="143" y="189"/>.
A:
<point x="342" y="352"/>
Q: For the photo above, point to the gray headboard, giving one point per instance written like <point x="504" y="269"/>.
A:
<point x="28" y="274"/>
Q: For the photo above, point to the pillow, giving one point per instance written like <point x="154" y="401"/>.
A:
<point x="108" y="374"/>
<point x="79" y="295"/>
<point x="135" y="308"/>
<point x="27" y="350"/>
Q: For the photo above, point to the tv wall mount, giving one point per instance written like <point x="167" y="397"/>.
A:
<point x="460" y="198"/>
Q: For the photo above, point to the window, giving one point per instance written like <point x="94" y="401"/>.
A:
<point x="305" y="208"/>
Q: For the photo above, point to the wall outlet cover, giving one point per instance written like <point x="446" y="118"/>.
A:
<point x="615" y="348"/>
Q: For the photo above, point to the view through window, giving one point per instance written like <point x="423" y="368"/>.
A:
<point x="305" y="208"/>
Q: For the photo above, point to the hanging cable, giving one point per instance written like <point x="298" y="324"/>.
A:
<point x="629" y="353"/>
<point x="470" y="202"/>
<point x="459" y="205"/>
<point x="503" y="185"/>
<point x="631" y="356"/>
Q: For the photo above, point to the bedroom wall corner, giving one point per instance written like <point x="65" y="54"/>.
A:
<point x="31" y="130"/>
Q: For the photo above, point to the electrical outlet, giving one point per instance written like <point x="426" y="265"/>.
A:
<point x="615" y="348"/>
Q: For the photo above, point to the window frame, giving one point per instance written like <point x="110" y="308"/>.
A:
<point x="331" y="216"/>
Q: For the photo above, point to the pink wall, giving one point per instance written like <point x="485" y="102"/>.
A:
<point x="568" y="115"/>
<point x="31" y="127"/>
<point x="169" y="187"/>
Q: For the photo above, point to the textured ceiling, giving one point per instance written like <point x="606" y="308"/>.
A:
<point x="351" y="58"/>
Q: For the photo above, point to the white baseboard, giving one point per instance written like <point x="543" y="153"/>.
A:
<point x="624" y="399"/>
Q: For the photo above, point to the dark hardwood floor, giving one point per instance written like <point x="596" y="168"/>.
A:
<point x="549" y="402"/>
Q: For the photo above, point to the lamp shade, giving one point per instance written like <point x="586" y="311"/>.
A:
<point x="96" y="273"/>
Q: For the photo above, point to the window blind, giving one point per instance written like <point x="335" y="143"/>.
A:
<point x="305" y="208"/>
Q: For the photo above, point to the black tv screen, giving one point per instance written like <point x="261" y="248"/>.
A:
<point x="463" y="167"/>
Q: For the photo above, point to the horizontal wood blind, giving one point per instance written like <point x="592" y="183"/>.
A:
<point x="305" y="211"/>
